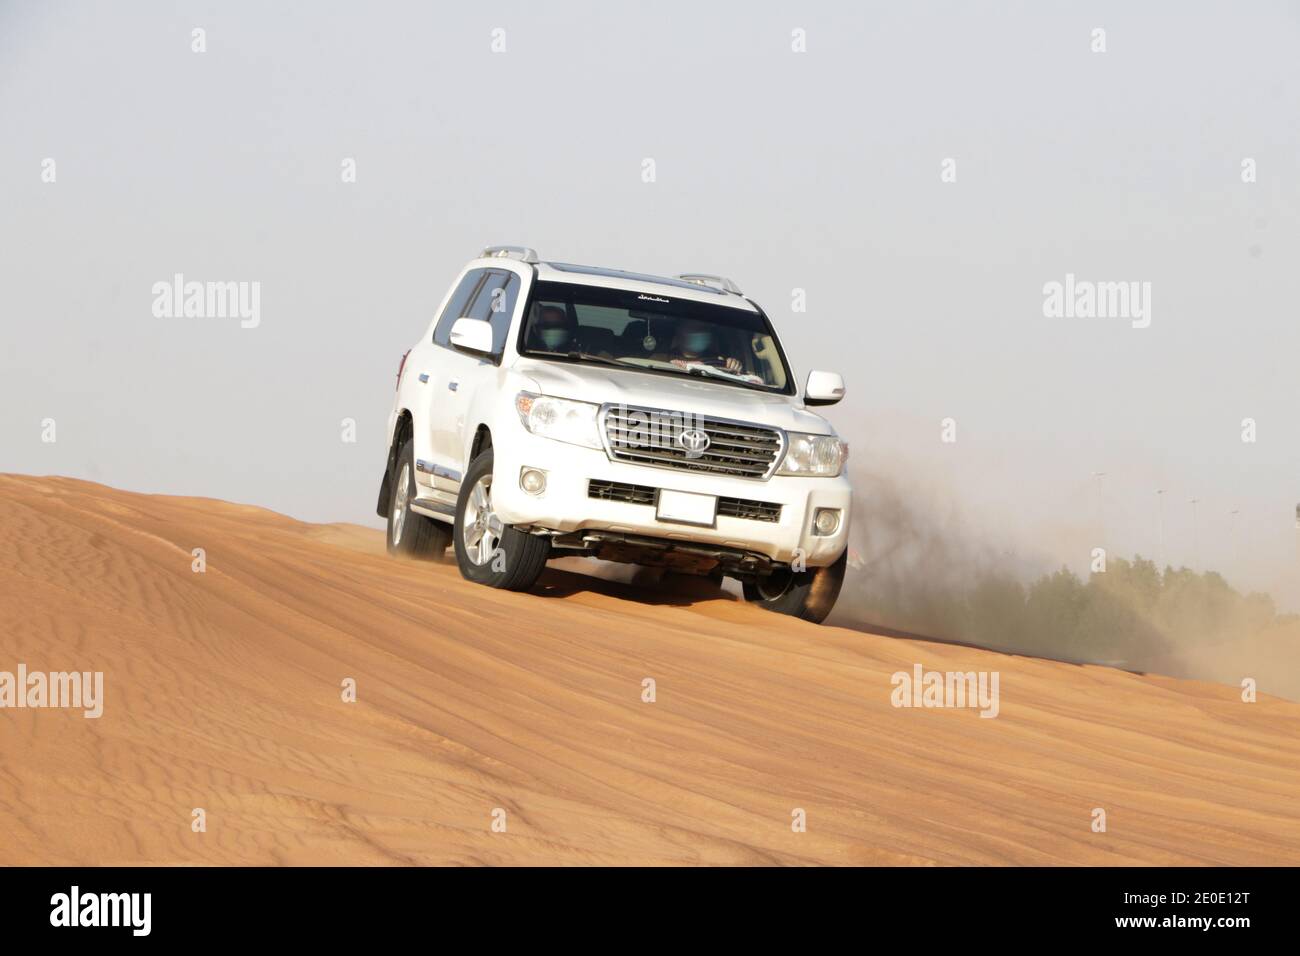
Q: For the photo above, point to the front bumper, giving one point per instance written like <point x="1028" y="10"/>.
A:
<point x="565" y="506"/>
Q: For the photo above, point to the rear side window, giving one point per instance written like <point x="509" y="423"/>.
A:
<point x="457" y="305"/>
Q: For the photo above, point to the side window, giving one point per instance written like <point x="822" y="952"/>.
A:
<point x="457" y="305"/>
<point x="496" y="304"/>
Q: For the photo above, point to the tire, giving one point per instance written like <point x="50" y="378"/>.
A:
<point x="808" y="595"/>
<point x="487" y="551"/>
<point x="410" y="534"/>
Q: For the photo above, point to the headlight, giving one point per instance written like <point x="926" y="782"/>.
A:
<point x="559" y="418"/>
<point x="818" y="456"/>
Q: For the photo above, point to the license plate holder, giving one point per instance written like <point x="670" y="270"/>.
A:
<point x="687" y="507"/>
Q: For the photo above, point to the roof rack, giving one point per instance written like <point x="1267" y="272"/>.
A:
<point x="717" y="282"/>
<point x="522" y="253"/>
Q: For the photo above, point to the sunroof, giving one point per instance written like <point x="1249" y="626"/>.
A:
<point x="635" y="276"/>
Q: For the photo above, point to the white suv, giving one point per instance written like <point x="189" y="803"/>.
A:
<point x="554" y="410"/>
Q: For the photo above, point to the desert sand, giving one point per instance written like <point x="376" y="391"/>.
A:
<point x="223" y="690"/>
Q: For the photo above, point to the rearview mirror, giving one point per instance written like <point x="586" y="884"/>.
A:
<point x="823" y="388"/>
<point x="472" y="335"/>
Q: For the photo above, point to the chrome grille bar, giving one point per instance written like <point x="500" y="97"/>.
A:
<point x="650" y="436"/>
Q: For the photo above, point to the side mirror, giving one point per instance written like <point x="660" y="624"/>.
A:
<point x="472" y="335"/>
<point x="823" y="388"/>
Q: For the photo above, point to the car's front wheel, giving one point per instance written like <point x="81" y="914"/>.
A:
<point x="487" y="550"/>
<point x="808" y="595"/>
<point x="409" y="533"/>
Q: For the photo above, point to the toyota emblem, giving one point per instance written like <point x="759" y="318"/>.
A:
<point x="694" y="440"/>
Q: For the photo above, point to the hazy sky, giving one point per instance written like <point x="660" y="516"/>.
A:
<point x="818" y="170"/>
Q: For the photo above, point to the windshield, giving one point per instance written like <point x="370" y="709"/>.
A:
<point x="658" y="333"/>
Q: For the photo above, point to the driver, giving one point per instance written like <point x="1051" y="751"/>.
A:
<point x="695" y="343"/>
<point x="553" y="330"/>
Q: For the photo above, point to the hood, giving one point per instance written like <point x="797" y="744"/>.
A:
<point x="601" y="383"/>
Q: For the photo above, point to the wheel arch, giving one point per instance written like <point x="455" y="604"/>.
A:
<point x="403" y="429"/>
<point x="481" y="442"/>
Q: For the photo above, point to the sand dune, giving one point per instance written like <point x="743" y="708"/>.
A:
<point x="223" y="692"/>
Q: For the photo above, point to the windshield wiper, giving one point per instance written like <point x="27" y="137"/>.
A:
<point x="580" y="357"/>
<point x="722" y="375"/>
<point x="708" y="371"/>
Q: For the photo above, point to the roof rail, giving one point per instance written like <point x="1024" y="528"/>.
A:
<point x="719" y="282"/>
<point x="522" y="253"/>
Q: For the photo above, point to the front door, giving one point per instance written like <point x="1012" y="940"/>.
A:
<point x="467" y="376"/>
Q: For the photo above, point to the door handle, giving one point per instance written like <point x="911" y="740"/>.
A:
<point x="453" y="384"/>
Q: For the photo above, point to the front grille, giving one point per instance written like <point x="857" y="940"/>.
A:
<point x="654" y="437"/>
<point x="753" y="510"/>
<point x="621" y="491"/>
<point x="645" y="495"/>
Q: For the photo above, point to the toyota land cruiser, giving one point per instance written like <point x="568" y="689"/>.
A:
<point x="553" y="409"/>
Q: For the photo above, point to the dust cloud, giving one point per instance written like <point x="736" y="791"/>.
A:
<point x="919" y="566"/>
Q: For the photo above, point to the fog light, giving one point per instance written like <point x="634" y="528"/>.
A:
<point x="826" y="521"/>
<point x="532" y="480"/>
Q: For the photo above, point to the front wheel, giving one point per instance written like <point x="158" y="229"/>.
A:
<point x="488" y="551"/>
<point x="411" y="534"/>
<point x="808" y="595"/>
